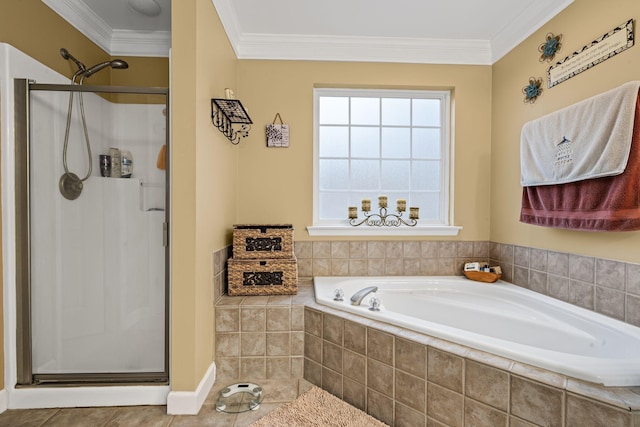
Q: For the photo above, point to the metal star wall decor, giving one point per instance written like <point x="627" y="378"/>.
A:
<point x="533" y="90"/>
<point x="550" y="47"/>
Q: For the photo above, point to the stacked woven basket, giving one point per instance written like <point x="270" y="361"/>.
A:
<point x="263" y="260"/>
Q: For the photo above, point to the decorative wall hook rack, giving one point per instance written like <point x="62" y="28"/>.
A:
<point x="227" y="112"/>
<point x="383" y="218"/>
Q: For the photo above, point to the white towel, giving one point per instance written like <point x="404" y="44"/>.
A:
<point x="589" y="139"/>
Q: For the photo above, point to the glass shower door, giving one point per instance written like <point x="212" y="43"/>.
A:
<point x="98" y="279"/>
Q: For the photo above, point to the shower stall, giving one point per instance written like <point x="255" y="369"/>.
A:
<point x="92" y="282"/>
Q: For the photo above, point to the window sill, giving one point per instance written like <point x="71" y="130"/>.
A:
<point x="419" y="230"/>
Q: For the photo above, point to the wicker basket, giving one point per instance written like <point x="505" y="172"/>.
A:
<point x="263" y="277"/>
<point x="482" y="276"/>
<point x="255" y="241"/>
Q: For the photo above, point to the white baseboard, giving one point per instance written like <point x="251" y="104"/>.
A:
<point x="190" y="402"/>
<point x="4" y="400"/>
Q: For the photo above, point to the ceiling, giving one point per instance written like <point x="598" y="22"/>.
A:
<point x="416" y="31"/>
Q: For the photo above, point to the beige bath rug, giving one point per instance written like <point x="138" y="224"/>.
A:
<point x="317" y="408"/>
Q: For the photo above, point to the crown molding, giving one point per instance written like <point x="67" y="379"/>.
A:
<point x="114" y="42"/>
<point x="374" y="49"/>
<point x="525" y="24"/>
<point x="364" y="49"/>
<point x="140" y="43"/>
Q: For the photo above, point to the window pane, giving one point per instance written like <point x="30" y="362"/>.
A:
<point x="425" y="175"/>
<point x="334" y="111"/>
<point x="396" y="112"/>
<point x="373" y="142"/>
<point x="395" y="174"/>
<point x="334" y="174"/>
<point x="396" y="143"/>
<point x="334" y="206"/>
<point x="429" y="204"/>
<point x="365" y="175"/>
<point x="365" y="111"/>
<point x="365" y="142"/>
<point x="426" y="112"/>
<point x="334" y="141"/>
<point x="426" y="143"/>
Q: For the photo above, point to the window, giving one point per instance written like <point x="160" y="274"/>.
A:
<point x="369" y="143"/>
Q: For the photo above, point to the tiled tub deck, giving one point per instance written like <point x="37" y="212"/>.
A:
<point x="401" y="377"/>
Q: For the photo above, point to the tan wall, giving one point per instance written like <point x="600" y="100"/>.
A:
<point x="580" y="23"/>
<point x="203" y="185"/>
<point x="35" y="29"/>
<point x="276" y="184"/>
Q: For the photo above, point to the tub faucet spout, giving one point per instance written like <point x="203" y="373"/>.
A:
<point x="357" y="298"/>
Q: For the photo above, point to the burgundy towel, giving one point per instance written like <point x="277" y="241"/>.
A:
<point x="599" y="204"/>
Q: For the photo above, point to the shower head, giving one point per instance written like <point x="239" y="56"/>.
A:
<point x="66" y="55"/>
<point x="116" y="63"/>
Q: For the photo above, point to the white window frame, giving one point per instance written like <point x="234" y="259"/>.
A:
<point x="342" y="227"/>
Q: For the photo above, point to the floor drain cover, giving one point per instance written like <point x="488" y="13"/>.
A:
<point x="240" y="397"/>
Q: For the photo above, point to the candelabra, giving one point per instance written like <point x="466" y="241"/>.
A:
<point x="383" y="218"/>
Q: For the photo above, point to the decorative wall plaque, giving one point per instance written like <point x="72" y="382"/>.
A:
<point x="615" y="41"/>
<point x="277" y="133"/>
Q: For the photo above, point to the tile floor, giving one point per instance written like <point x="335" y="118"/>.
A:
<point x="276" y="393"/>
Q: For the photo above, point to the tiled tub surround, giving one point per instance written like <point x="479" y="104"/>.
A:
<point x="608" y="287"/>
<point x="261" y="337"/>
<point x="408" y="379"/>
<point x="605" y="286"/>
<point x="387" y="371"/>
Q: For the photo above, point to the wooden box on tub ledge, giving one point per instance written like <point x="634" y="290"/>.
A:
<point x="263" y="276"/>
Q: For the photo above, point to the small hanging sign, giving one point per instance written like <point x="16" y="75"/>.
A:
<point x="615" y="41"/>
<point x="277" y="133"/>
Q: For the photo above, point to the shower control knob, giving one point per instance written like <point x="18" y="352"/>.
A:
<point x="338" y="295"/>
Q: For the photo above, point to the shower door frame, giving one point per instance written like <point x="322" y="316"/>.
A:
<point x="25" y="375"/>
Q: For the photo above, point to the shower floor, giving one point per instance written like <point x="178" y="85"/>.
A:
<point x="276" y="393"/>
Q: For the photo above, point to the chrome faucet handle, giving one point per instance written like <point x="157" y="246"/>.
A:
<point x="374" y="303"/>
<point x="338" y="295"/>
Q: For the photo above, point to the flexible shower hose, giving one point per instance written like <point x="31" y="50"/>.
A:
<point x="84" y="126"/>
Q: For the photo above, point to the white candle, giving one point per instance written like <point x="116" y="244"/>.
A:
<point x="413" y="213"/>
<point x="353" y="212"/>
<point x="382" y="201"/>
<point x="366" y="205"/>
<point x="402" y="205"/>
